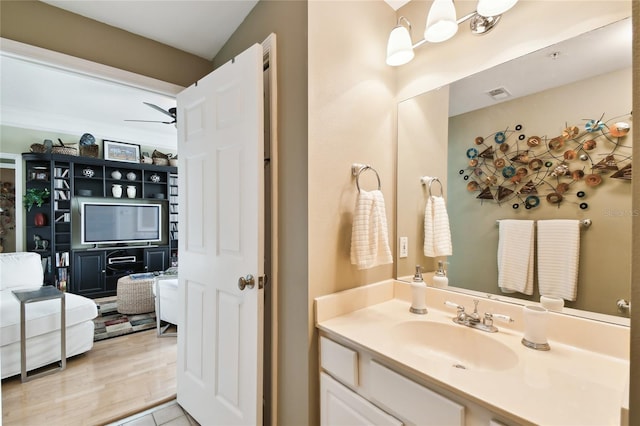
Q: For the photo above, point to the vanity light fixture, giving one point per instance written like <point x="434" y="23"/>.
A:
<point x="442" y="24"/>
<point x="399" y="47"/>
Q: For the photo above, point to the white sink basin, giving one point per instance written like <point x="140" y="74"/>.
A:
<point x="465" y="347"/>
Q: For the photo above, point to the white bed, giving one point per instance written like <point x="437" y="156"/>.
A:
<point x="24" y="271"/>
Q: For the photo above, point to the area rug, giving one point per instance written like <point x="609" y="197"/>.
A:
<point x="110" y="323"/>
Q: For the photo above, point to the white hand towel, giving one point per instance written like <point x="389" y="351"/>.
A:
<point x="369" y="234"/>
<point x="558" y="257"/>
<point x="515" y="256"/>
<point x="437" y="235"/>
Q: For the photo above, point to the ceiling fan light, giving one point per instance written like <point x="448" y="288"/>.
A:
<point x="399" y="47"/>
<point x="441" y="21"/>
<point x="494" y="7"/>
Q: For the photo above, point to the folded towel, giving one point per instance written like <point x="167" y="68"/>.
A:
<point x="558" y="257"/>
<point x="369" y="235"/>
<point x="515" y="256"/>
<point x="437" y="235"/>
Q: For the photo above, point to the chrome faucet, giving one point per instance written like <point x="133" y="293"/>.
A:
<point x="473" y="319"/>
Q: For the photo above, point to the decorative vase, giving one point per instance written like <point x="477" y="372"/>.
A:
<point x="39" y="219"/>
<point x="131" y="176"/>
<point x="116" y="190"/>
<point x="131" y="191"/>
<point x="116" y="174"/>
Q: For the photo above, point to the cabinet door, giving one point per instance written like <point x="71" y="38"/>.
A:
<point x="88" y="272"/>
<point x="156" y="259"/>
<point x="341" y="406"/>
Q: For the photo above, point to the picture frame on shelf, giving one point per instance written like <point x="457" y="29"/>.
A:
<point x="121" y="151"/>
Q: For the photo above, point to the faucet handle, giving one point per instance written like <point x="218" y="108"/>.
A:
<point x="501" y="317"/>
<point x="454" y="305"/>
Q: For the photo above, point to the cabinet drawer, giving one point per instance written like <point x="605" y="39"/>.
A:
<point x="339" y="361"/>
<point x="411" y="401"/>
<point x="340" y="406"/>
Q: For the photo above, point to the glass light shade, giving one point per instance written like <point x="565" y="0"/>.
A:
<point x="441" y="21"/>
<point x="399" y="47"/>
<point x="494" y="7"/>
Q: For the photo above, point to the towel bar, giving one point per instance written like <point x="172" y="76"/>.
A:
<point x="584" y="222"/>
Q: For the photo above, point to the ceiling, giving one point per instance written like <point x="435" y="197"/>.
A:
<point x="198" y="27"/>
<point x="52" y="99"/>
<point x="596" y="52"/>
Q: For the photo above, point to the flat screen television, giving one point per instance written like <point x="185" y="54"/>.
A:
<point x="109" y="222"/>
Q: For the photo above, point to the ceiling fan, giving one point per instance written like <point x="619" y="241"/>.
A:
<point x="171" y="113"/>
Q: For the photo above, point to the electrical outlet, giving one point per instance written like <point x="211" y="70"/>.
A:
<point x="404" y="246"/>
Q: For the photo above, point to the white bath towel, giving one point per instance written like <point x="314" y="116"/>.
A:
<point x="437" y="235"/>
<point x="515" y="256"/>
<point x="369" y="234"/>
<point x="558" y="257"/>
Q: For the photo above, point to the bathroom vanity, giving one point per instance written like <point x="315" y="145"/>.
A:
<point x="381" y="364"/>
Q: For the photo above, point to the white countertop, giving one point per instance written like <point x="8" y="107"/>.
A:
<point x="564" y="386"/>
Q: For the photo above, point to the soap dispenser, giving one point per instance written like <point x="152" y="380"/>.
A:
<point x="440" y="279"/>
<point x="418" y="293"/>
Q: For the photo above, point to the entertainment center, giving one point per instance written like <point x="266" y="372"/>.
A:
<point x="101" y="220"/>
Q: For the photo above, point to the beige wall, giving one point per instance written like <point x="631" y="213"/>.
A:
<point x="42" y="25"/>
<point x="351" y="120"/>
<point x="422" y="144"/>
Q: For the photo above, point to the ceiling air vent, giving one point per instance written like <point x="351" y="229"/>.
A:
<point x="499" y="93"/>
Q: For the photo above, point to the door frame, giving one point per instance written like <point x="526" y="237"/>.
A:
<point x="5" y="163"/>
<point x="271" y="289"/>
<point x="116" y="75"/>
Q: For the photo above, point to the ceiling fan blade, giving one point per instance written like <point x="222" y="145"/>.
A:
<point x="152" y="121"/>
<point x="156" y="107"/>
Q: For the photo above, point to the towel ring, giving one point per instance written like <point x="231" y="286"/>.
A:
<point x="435" y="179"/>
<point x="362" y="169"/>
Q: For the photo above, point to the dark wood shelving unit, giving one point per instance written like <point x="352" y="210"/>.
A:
<point x="93" y="272"/>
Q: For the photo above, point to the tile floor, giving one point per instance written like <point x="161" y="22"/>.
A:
<point x="168" y="414"/>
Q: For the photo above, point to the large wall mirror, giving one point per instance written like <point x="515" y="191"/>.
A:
<point x="550" y="90"/>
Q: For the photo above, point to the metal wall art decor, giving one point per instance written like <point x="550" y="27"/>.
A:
<point x="511" y="166"/>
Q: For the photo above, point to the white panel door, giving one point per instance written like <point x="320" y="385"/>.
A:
<point x="220" y="142"/>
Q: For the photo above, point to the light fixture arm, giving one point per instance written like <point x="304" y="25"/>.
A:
<point x="400" y="19"/>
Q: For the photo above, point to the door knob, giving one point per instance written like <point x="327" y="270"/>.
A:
<point x="247" y="281"/>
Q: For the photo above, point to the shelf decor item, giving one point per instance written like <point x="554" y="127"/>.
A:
<point x="88" y="147"/>
<point x="64" y="149"/>
<point x="131" y="191"/>
<point x="39" y="219"/>
<point x="116" y="190"/>
<point x="35" y="196"/>
<point x="131" y="176"/>
<point x="160" y="158"/>
<point x="121" y="151"/>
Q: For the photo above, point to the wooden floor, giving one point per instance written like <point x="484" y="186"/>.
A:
<point x="115" y="379"/>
